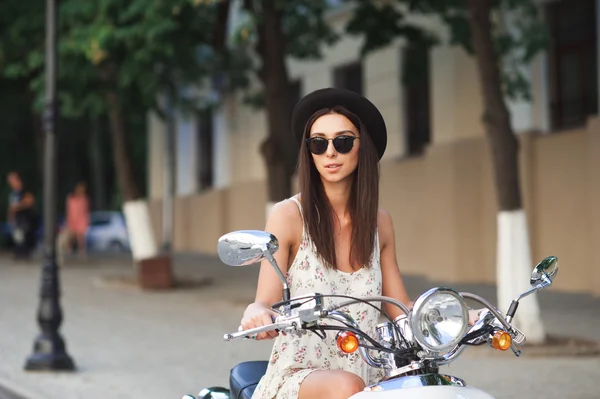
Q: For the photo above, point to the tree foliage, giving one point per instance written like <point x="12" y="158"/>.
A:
<point x="303" y="30"/>
<point x="518" y="32"/>
<point x="135" y="50"/>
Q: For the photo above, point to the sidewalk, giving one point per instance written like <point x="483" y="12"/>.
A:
<point x="6" y="394"/>
<point x="159" y="345"/>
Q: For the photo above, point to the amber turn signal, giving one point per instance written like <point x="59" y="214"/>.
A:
<point x="501" y="340"/>
<point x="347" y="342"/>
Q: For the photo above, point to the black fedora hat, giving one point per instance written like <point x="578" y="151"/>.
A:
<point x="364" y="109"/>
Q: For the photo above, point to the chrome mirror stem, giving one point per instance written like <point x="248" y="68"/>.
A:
<point x="545" y="283"/>
<point x="273" y="262"/>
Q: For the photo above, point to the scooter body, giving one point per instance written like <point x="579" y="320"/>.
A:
<point x="409" y="348"/>
<point x="245" y="376"/>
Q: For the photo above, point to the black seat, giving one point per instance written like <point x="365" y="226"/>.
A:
<point x="244" y="377"/>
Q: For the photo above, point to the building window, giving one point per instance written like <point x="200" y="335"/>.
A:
<point x="415" y="91"/>
<point x="573" y="59"/>
<point x="205" y="149"/>
<point x="349" y="77"/>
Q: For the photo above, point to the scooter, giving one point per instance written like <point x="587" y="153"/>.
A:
<point x="410" y="349"/>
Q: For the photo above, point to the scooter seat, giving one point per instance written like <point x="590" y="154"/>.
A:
<point x="244" y="377"/>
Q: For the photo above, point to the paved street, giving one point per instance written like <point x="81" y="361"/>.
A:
<point x="6" y="394"/>
<point x="127" y="343"/>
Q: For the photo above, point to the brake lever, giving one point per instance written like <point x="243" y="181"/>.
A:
<point x="517" y="352"/>
<point x="273" y="320"/>
<point x="517" y="336"/>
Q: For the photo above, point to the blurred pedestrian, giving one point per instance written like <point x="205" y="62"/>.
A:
<point x="77" y="217"/>
<point x="22" y="217"/>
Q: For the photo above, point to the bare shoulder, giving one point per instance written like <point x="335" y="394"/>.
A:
<point x="285" y="221"/>
<point x="286" y="209"/>
<point x="384" y="219"/>
<point x="385" y="225"/>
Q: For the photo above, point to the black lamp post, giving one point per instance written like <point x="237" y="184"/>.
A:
<point x="49" y="351"/>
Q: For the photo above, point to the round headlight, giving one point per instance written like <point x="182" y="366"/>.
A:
<point x="439" y="319"/>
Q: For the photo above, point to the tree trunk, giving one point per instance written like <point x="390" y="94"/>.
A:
<point x="137" y="214"/>
<point x="513" y="248"/>
<point x="219" y="36"/>
<point x="97" y="165"/>
<point x="127" y="185"/>
<point x="278" y="150"/>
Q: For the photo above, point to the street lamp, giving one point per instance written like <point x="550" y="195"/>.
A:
<point x="49" y="351"/>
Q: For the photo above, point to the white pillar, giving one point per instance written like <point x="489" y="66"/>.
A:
<point x="139" y="227"/>
<point x="521" y="112"/>
<point x="221" y="158"/>
<point x="185" y="155"/>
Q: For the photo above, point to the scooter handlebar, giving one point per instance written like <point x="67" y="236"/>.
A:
<point x="255" y="330"/>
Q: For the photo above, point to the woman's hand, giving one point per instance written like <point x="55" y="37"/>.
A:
<point x="257" y="315"/>
<point x="474" y="316"/>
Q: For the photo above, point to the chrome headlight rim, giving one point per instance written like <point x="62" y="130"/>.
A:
<point x="417" y="310"/>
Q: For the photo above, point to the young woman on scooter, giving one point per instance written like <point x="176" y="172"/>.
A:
<point x="333" y="239"/>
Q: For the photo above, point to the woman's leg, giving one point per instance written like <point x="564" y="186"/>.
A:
<point x="81" y="247"/>
<point x="330" y="384"/>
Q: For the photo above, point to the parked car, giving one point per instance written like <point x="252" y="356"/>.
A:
<point x="107" y="232"/>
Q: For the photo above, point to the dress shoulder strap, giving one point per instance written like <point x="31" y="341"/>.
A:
<point x="377" y="247"/>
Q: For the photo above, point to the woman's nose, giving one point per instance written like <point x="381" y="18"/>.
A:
<point x="331" y="151"/>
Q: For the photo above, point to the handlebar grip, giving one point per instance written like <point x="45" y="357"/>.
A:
<point x="251" y="331"/>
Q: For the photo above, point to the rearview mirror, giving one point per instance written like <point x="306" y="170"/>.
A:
<point x="246" y="247"/>
<point x="545" y="271"/>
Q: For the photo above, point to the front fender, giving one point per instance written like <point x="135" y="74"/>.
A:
<point x="428" y="392"/>
<point x="423" y="386"/>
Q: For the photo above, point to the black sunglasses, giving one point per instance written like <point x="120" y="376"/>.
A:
<point x="342" y="144"/>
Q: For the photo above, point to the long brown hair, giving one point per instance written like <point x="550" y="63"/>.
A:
<point x="363" y="203"/>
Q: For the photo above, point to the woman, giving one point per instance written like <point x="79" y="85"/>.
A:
<point x="78" y="216"/>
<point x="333" y="238"/>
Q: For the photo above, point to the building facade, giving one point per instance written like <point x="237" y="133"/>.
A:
<point x="436" y="175"/>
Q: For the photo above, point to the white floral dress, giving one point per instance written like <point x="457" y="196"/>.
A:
<point x="295" y="357"/>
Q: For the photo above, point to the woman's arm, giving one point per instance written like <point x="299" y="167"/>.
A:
<point x="392" y="283"/>
<point x="285" y="223"/>
<point x="27" y="201"/>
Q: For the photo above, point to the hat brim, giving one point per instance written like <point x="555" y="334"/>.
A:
<point x="364" y="109"/>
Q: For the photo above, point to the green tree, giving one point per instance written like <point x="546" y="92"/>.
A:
<point x="21" y="28"/>
<point x="118" y="59"/>
<point x="503" y="36"/>
<point x="129" y="56"/>
<point x="273" y="31"/>
<point x="113" y="57"/>
<point x="122" y="55"/>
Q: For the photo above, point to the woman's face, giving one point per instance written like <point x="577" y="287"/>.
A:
<point x="80" y="189"/>
<point x="333" y="165"/>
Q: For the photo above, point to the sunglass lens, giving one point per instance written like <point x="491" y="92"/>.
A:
<point x="317" y="145"/>
<point x="343" y="144"/>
